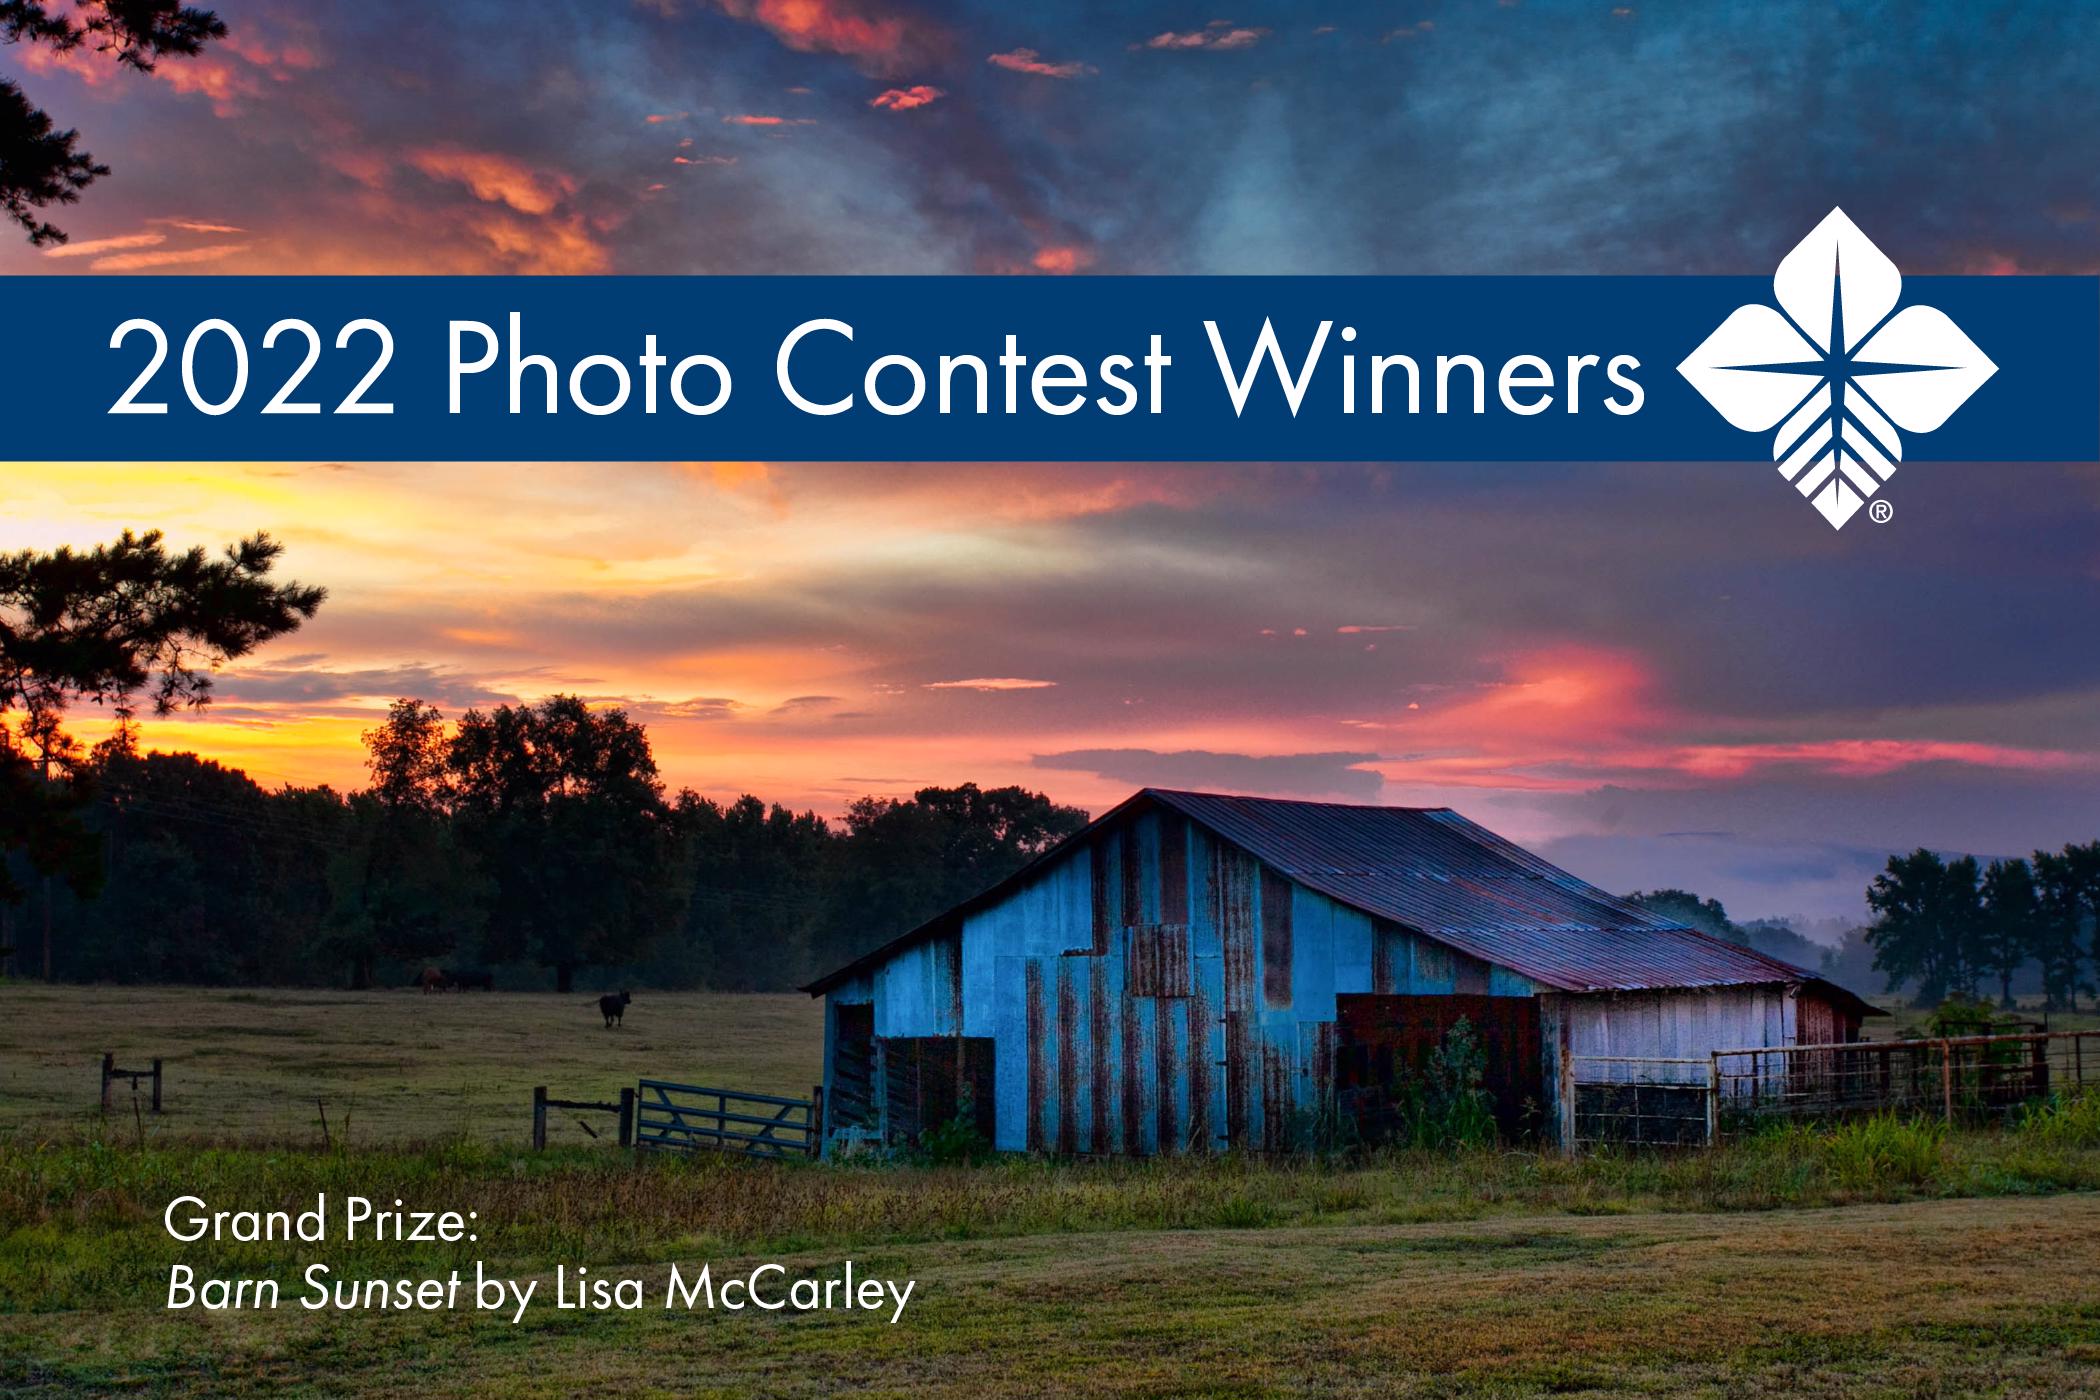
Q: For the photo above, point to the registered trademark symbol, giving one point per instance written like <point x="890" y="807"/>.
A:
<point x="1881" y="512"/>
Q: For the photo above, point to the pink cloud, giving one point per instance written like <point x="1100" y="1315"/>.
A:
<point x="657" y="118"/>
<point x="907" y="99"/>
<point x="198" y="226"/>
<point x="1062" y="259"/>
<point x="1029" y="61"/>
<point x="991" y="683"/>
<point x="703" y="160"/>
<point x="879" y="39"/>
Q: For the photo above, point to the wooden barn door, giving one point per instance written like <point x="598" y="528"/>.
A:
<point x="1384" y="1039"/>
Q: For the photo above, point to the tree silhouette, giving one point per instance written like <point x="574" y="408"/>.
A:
<point x="41" y="166"/>
<point x="102" y="626"/>
<point x="2012" y="912"/>
<point x="562" y="805"/>
<point x="1927" y="918"/>
<point x="402" y="888"/>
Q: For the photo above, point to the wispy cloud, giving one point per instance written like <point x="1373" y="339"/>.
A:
<point x="93" y="246"/>
<point x="1218" y="34"/>
<point x="907" y="99"/>
<point x="991" y="683"/>
<point x="1029" y="61"/>
<point x="168" y="257"/>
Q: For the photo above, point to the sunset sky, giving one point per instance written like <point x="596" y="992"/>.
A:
<point x="1656" y="674"/>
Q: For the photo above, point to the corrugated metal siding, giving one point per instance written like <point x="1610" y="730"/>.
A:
<point x="1435" y="872"/>
<point x="1207" y="1018"/>
<point x="1672" y="1025"/>
<point x="1161" y="987"/>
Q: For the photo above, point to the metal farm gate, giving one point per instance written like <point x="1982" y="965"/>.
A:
<point x="686" y="1117"/>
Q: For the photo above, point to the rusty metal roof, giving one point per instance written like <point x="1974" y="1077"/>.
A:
<point x="1430" y="870"/>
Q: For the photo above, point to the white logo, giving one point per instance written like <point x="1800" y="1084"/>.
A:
<point x="1835" y="369"/>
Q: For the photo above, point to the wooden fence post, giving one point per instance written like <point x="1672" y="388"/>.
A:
<point x="539" y="1118"/>
<point x="1947" y="1081"/>
<point x="109" y="1062"/>
<point x="627" y="1117"/>
<point x="156" y="1085"/>
<point x="816" y="1121"/>
<point x="1713" y="1099"/>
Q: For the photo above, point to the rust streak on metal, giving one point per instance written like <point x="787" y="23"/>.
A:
<point x="1067" y="1060"/>
<point x="1133" y="1081"/>
<point x="1104" y="915"/>
<point x="1163" y="1107"/>
<point x="1385" y="942"/>
<point x="1199" y="1068"/>
<point x="1101" y="1058"/>
<point x="1132" y="859"/>
<point x="1232" y="878"/>
<point x="1033" y="980"/>
<point x="1173" y="868"/>
<point x="1275" y="939"/>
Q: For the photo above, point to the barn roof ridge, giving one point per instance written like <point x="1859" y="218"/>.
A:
<point x="1437" y="874"/>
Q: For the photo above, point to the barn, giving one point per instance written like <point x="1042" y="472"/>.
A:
<point x="1199" y="972"/>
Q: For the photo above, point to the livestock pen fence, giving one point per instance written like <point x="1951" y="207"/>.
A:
<point x="658" y="1115"/>
<point x="1688" y="1102"/>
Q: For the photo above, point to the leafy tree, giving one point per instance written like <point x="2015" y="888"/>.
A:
<point x="101" y="626"/>
<point x="41" y="166"/>
<point x="1706" y="915"/>
<point x="756" y="904"/>
<point x="904" y="862"/>
<point x="211" y="878"/>
<point x="2012" y="916"/>
<point x="2068" y="892"/>
<point x="562" y="805"/>
<point x="1927" y="913"/>
<point x="402" y="889"/>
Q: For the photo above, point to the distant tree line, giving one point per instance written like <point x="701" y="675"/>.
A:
<point x="524" y="837"/>
<point x="1951" y="926"/>
<point x="1945" y="928"/>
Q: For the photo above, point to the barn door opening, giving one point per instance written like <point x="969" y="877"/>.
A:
<point x="852" y="1098"/>
<point x="1382" y="1041"/>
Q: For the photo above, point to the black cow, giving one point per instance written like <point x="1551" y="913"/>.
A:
<point x="611" y="1005"/>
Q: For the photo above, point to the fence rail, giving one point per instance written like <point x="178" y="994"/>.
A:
<point x="688" y="1117"/>
<point x="541" y="1103"/>
<point x="1661" y="1101"/>
<point x="111" y="1073"/>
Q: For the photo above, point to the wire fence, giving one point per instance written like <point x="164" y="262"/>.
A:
<point x="1655" y="1101"/>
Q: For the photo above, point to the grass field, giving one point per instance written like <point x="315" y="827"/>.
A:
<point x="392" y="1066"/>
<point x="1903" y="1263"/>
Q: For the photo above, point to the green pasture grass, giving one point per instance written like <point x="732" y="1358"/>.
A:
<point x="386" y="1067"/>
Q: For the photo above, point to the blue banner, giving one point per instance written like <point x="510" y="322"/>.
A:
<point x="994" y="369"/>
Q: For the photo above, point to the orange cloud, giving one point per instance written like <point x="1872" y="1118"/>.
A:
<point x="703" y="160"/>
<point x="906" y="99"/>
<point x="656" y="118"/>
<point x="751" y="120"/>
<point x="1029" y="61"/>
<point x="168" y="257"/>
<point x="1062" y="259"/>
<point x="991" y="683"/>
<point x="93" y="246"/>
<point x="495" y="179"/>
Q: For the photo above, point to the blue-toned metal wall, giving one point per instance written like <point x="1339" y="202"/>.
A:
<point x="1157" y="990"/>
